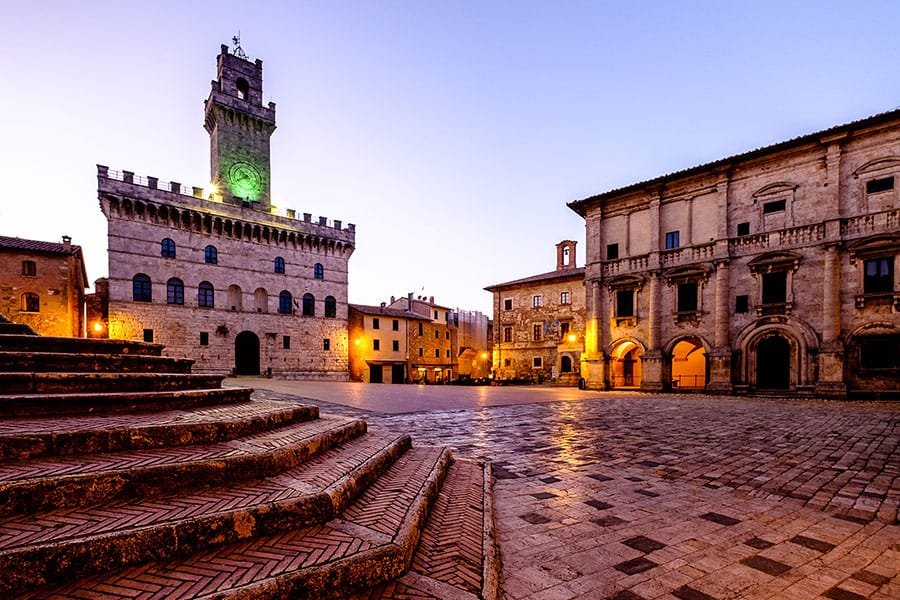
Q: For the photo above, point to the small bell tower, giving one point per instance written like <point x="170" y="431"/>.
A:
<point x="239" y="128"/>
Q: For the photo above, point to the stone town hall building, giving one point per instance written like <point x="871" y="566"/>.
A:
<point x="776" y="269"/>
<point x="223" y="276"/>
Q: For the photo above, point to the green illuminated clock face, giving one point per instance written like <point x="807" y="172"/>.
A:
<point x="245" y="180"/>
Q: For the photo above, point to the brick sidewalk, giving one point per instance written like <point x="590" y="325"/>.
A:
<point x="687" y="497"/>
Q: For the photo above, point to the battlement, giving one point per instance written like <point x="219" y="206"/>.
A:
<point x="150" y="188"/>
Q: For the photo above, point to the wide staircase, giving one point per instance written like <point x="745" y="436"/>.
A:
<point x="123" y="475"/>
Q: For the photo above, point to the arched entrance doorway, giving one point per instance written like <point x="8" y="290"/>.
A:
<point x="773" y="363"/>
<point x="246" y="354"/>
<point x="565" y="364"/>
<point x="688" y="365"/>
<point x="625" y="367"/>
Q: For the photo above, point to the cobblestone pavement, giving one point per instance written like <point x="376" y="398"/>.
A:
<point x="691" y="497"/>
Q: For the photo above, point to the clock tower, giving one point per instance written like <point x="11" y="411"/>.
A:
<point x="239" y="129"/>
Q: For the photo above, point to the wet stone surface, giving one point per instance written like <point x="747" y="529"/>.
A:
<point x="746" y="498"/>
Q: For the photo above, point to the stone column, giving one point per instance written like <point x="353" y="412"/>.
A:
<point x="720" y="354"/>
<point x="651" y="363"/>
<point x="831" y="355"/>
<point x="593" y="364"/>
<point x="687" y="239"/>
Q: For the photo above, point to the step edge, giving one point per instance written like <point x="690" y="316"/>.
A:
<point x="102" y="439"/>
<point x="51" y="556"/>
<point x="218" y="470"/>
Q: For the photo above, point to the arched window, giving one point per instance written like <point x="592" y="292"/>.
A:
<point x="167" y="248"/>
<point x="29" y="268"/>
<point x="174" y="291"/>
<point x="309" y="305"/>
<point x="279" y="264"/>
<point x="319" y="271"/>
<point x="243" y="88"/>
<point x="330" y="306"/>
<point x="261" y="297"/>
<point x="30" y="302"/>
<point x="211" y="255"/>
<point x="206" y="296"/>
<point x="140" y="289"/>
<point x="285" y="303"/>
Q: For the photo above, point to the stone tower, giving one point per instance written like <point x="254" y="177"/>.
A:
<point x="239" y="129"/>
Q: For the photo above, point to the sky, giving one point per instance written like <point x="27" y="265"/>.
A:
<point x="452" y="134"/>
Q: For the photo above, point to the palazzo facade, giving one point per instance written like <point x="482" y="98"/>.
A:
<point x="770" y="271"/>
<point x="219" y="274"/>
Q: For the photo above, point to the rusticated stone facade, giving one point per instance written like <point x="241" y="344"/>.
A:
<point x="221" y="275"/>
<point x="42" y="285"/>
<point x="539" y="323"/>
<point x="774" y="270"/>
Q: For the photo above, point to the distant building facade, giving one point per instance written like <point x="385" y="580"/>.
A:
<point x="774" y="270"/>
<point x="433" y="344"/>
<point x="539" y="323"/>
<point x="42" y="285"/>
<point x="380" y="343"/>
<point x="474" y="348"/>
<point x="223" y="276"/>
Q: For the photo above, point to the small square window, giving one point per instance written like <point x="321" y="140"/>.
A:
<point x="148" y="335"/>
<point x="507" y="304"/>
<point x="507" y="362"/>
<point x="538" y="332"/>
<point x="742" y="304"/>
<point x="204" y="338"/>
<point x="447" y="335"/>
<point x="774" y="207"/>
<point x="565" y="298"/>
<point x="537" y="301"/>
<point x="396" y="346"/>
<point x="507" y="334"/>
<point x="421" y="351"/>
<point x="448" y="354"/>
<point x="612" y="251"/>
<point x="672" y="240"/>
<point x="878" y="275"/>
<point x="435" y="315"/>
<point x="437" y="352"/>
<point x="774" y="287"/>
<point x="29" y="268"/>
<point x="376" y="323"/>
<point x="564" y="328"/>
<point x="743" y="228"/>
<point x="420" y="329"/>
<point x="376" y="344"/>
<point x="879" y="185"/>
<point x="687" y="297"/>
<point x="395" y="325"/>
<point x="286" y="342"/>
<point x="326" y="344"/>
<point x="625" y="303"/>
<point x="437" y="334"/>
<point x="537" y="362"/>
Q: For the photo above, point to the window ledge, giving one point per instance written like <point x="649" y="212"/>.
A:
<point x="878" y="299"/>
<point x="775" y="308"/>
<point x="687" y="316"/>
<point x="626" y="321"/>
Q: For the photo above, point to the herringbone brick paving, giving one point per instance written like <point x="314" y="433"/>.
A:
<point x="32" y="437"/>
<point x="255" y="562"/>
<point x="582" y="477"/>
<point x="131" y="516"/>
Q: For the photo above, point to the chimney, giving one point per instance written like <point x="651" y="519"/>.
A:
<point x="67" y="241"/>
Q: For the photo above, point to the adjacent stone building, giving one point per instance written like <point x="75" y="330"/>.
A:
<point x="773" y="270"/>
<point x="42" y="285"/>
<point x="220" y="274"/>
<point x="539" y="323"/>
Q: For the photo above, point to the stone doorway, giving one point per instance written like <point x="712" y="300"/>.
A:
<point x="397" y="374"/>
<point x="376" y="374"/>
<point x="773" y="363"/>
<point x="246" y="354"/>
<point x="689" y="365"/>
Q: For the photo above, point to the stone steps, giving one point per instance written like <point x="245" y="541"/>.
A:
<point x="372" y="541"/>
<point x="39" y="362"/>
<point x="38" y="343"/>
<point x="72" y="481"/>
<point x="26" y="405"/>
<point x="56" y="546"/>
<point x="54" y="383"/>
<point x="124" y="475"/>
<point x="54" y="436"/>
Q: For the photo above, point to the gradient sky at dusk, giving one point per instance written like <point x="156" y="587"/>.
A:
<point x="451" y="133"/>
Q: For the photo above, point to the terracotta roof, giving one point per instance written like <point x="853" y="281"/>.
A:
<point x="388" y="312"/>
<point x="576" y="273"/>
<point x="38" y="246"/>
<point x="579" y="206"/>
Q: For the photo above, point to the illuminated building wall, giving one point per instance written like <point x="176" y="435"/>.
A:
<point x="42" y="285"/>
